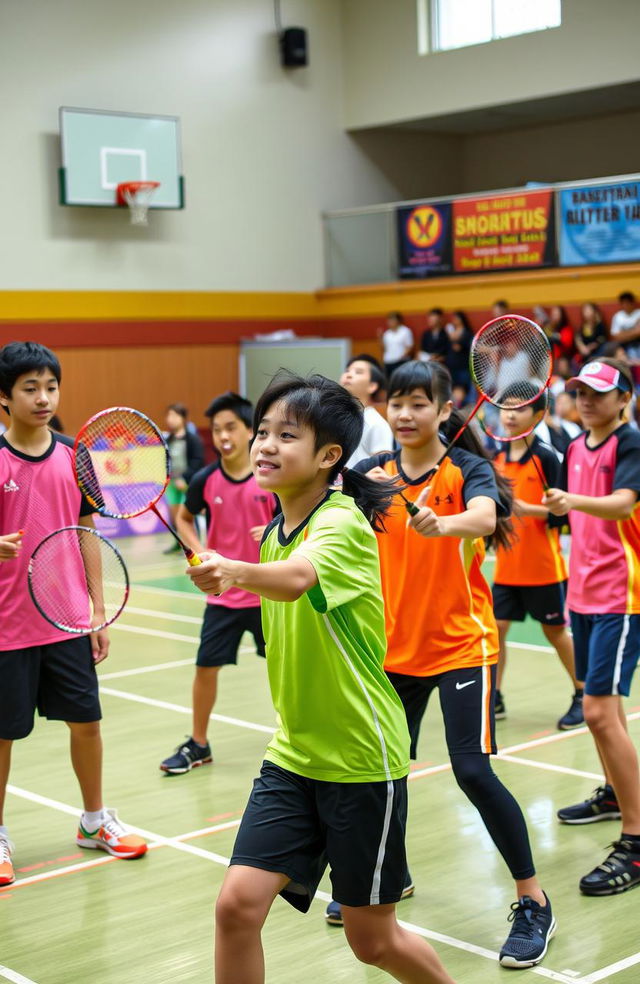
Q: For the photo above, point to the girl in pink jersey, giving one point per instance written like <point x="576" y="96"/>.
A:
<point x="602" y="482"/>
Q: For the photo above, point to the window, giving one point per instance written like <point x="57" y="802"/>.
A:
<point x="457" y="23"/>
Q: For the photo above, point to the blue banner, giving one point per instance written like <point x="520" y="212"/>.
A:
<point x="600" y="224"/>
<point x="424" y="240"/>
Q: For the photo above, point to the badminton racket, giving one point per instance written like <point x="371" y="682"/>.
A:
<point x="510" y="362"/>
<point x="78" y="580"/>
<point x="122" y="467"/>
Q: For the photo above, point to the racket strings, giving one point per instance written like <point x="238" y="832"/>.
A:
<point x="74" y="575"/>
<point x="511" y="361"/>
<point x="122" y="463"/>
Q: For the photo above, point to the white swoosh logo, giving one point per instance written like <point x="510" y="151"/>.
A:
<point x="461" y="686"/>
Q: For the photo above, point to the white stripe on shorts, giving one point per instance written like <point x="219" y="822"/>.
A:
<point x="617" y="669"/>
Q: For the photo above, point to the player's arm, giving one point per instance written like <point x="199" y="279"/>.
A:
<point x="478" y="519"/>
<point x="618" y="505"/>
<point x="10" y="545"/>
<point x="279" y="580"/>
<point x="630" y="335"/>
<point x="186" y="527"/>
<point x="522" y="508"/>
<point x="92" y="560"/>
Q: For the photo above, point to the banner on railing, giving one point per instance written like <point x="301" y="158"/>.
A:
<point x="424" y="240"/>
<point x="600" y="224"/>
<point x="503" y="232"/>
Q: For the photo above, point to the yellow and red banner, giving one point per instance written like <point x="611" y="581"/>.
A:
<point x="504" y="232"/>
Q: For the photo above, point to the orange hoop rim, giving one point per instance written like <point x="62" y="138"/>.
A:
<point x="133" y="187"/>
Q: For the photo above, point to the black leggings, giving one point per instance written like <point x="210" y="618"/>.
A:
<point x="499" y="810"/>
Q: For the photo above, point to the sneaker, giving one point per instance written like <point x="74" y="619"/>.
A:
<point x="499" y="706"/>
<point x="7" y="875"/>
<point x="186" y="757"/>
<point x="617" y="873"/>
<point x="112" y="837"/>
<point x="574" y="716"/>
<point x="601" y="805"/>
<point x="333" y="913"/>
<point x="533" y="927"/>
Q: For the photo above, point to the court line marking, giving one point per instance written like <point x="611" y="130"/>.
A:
<point x="189" y="595"/>
<point x="164" y="616"/>
<point x="614" y="968"/>
<point x="159" y="666"/>
<point x="138" y="630"/>
<point x="178" y="844"/>
<point x="152" y="702"/>
<point x="14" y="977"/>
<point x="549" y="767"/>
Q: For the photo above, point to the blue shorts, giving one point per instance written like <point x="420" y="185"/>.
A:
<point x="607" y="648"/>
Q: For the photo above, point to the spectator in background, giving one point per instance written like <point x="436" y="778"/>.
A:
<point x="625" y="325"/>
<point x="397" y="342"/>
<point x="365" y="380"/>
<point x="560" y="333"/>
<point x="457" y="358"/>
<point x="434" y="344"/>
<point x="187" y="457"/>
<point x="592" y="336"/>
<point x="562" y="371"/>
<point x="499" y="309"/>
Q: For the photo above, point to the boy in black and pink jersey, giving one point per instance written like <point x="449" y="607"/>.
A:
<point x="237" y="511"/>
<point x="40" y="666"/>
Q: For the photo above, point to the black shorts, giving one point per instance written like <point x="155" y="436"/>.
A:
<point x="58" y="679"/>
<point x="544" y="602"/>
<point x="298" y="826"/>
<point x="467" y="702"/>
<point x="222" y="630"/>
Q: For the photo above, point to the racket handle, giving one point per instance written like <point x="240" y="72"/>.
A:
<point x="411" y="508"/>
<point x="192" y="558"/>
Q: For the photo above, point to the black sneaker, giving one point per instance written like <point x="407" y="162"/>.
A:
<point x="601" y="805"/>
<point x="533" y="927"/>
<point x="499" y="706"/>
<point x="574" y="716"/>
<point x="333" y="913"/>
<point x="617" y="873"/>
<point x="186" y="757"/>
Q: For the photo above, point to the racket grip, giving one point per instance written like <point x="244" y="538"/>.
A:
<point x="193" y="560"/>
<point x="411" y="508"/>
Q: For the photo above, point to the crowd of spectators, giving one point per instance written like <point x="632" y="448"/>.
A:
<point x="447" y="338"/>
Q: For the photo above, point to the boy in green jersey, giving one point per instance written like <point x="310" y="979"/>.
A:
<point x="332" y="788"/>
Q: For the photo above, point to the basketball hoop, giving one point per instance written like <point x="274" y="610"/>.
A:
<point x="137" y="195"/>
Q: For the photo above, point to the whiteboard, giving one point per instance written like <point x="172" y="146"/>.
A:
<point x="260" y="361"/>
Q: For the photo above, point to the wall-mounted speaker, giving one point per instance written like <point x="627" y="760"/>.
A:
<point x="293" y="47"/>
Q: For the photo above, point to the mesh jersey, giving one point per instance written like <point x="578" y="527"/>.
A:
<point x="535" y="557"/>
<point x="339" y="718"/>
<point x="232" y="507"/>
<point x="37" y="495"/>
<point x="439" y="613"/>
<point x="604" y="566"/>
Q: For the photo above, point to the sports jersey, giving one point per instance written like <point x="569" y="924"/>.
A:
<point x="535" y="557"/>
<point x="233" y="507"/>
<point x="439" y="613"/>
<point x="604" y="566"/>
<point x="339" y="718"/>
<point x="37" y="495"/>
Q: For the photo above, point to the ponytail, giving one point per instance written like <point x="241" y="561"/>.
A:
<point x="504" y="533"/>
<point x="373" y="498"/>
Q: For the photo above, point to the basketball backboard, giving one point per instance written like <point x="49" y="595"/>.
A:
<point x="102" y="149"/>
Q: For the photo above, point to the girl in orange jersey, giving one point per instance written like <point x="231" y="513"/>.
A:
<point x="441" y="632"/>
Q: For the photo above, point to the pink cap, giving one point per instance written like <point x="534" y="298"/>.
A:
<point x="600" y="377"/>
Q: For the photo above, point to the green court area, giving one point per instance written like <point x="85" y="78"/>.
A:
<point x="78" y="916"/>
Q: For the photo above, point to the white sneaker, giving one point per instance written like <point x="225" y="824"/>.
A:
<point x="7" y="874"/>
<point x="112" y="837"/>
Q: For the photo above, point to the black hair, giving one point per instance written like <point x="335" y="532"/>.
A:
<point x="396" y="315"/>
<point x="18" y="358"/>
<point x="436" y="310"/>
<point x="501" y="304"/>
<point x="335" y="417"/>
<point x="180" y="409"/>
<point x="377" y="374"/>
<point x="627" y="295"/>
<point x="525" y="390"/>
<point x="435" y="380"/>
<point x="466" y="324"/>
<point x="243" y="409"/>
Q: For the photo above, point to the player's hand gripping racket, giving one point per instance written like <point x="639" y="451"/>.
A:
<point x="122" y="467"/>
<point x="510" y="362"/>
<point x="78" y="580"/>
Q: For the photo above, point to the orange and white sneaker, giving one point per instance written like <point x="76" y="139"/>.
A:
<point x="112" y="837"/>
<point x="7" y="874"/>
